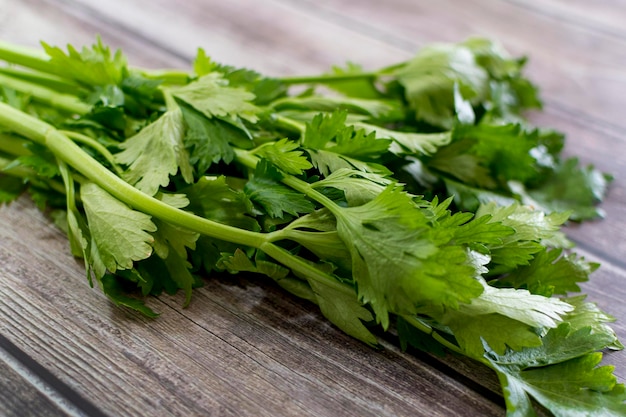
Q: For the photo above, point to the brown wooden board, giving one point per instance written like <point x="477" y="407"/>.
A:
<point x="19" y="397"/>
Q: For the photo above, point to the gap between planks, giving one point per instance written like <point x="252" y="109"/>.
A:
<point x="64" y="399"/>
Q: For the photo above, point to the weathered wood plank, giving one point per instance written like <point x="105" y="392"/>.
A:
<point x="607" y="15"/>
<point x="268" y="36"/>
<point x="20" y="398"/>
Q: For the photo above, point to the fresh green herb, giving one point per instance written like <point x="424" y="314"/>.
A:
<point x="415" y="198"/>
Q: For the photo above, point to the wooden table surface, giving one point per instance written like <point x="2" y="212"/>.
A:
<point x="243" y="347"/>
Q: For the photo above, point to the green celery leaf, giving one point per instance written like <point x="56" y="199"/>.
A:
<point x="558" y="345"/>
<point x="202" y="64"/>
<point x="330" y="132"/>
<point x="409" y="143"/>
<point x="359" y="187"/>
<point x="317" y="232"/>
<point x="239" y="261"/>
<point x="327" y="133"/>
<point x="494" y="58"/>
<point x="589" y="315"/>
<point x="345" y="311"/>
<point x="119" y="234"/>
<point x="505" y="149"/>
<point x="10" y="188"/>
<point x="479" y="230"/>
<point x="531" y="309"/>
<point x="265" y="89"/>
<point x="14" y="98"/>
<point x="503" y="317"/>
<point x="533" y="230"/>
<point x="399" y="259"/>
<point x="208" y="140"/>
<point x="328" y="162"/>
<point x="179" y="270"/>
<point x="39" y="159"/>
<point x="212" y="198"/>
<point x="429" y="81"/>
<point x="169" y="237"/>
<point x="154" y="277"/>
<point x="456" y="160"/>
<point x="112" y="288"/>
<point x="359" y="144"/>
<point x="471" y="198"/>
<point x="571" y="188"/>
<point x="209" y="252"/>
<point x="510" y="91"/>
<point x="91" y="66"/>
<point x="156" y="152"/>
<point x="275" y="198"/>
<point x="528" y="222"/>
<point x="409" y="336"/>
<point x="107" y="96"/>
<point x="323" y="128"/>
<point x="550" y="272"/>
<point x="212" y="96"/>
<point x="140" y="95"/>
<point x="284" y="155"/>
<point x="496" y="330"/>
<point x="572" y="388"/>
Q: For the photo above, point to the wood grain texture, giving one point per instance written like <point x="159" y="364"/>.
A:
<point x="243" y="347"/>
<point x="20" y="398"/>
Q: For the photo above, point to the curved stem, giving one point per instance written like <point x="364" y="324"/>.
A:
<point x="166" y="76"/>
<point x="65" y="102"/>
<point x="289" y="124"/>
<point x="95" y="145"/>
<point x="423" y="327"/>
<point x="13" y="145"/>
<point x="328" y="78"/>
<point x="304" y="268"/>
<point x="249" y="160"/>
<point x="43" y="79"/>
<point x="26" y="57"/>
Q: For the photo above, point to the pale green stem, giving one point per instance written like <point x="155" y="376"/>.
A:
<point x="13" y="145"/>
<point x="423" y="327"/>
<point x="328" y="78"/>
<point x="95" y="145"/>
<point x="43" y="79"/>
<point x="249" y="160"/>
<point x="289" y="124"/>
<point x="26" y="57"/>
<point x="166" y="76"/>
<point x="65" y="102"/>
